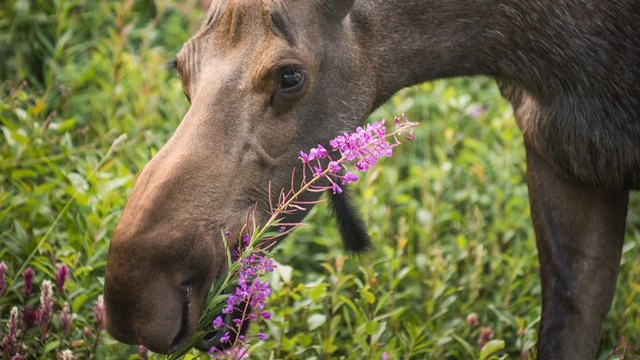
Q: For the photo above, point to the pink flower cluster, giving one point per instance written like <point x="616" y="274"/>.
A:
<point x="247" y="299"/>
<point x="37" y="323"/>
<point x="361" y="148"/>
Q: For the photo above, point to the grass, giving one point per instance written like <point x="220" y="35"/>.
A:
<point x="448" y="213"/>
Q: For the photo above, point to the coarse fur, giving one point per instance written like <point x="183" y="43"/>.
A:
<point x="570" y="68"/>
<point x="352" y="229"/>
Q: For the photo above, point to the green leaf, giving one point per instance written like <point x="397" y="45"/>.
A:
<point x="367" y="295"/>
<point x="315" y="321"/>
<point x="490" y="349"/>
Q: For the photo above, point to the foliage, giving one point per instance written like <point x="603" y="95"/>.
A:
<point x="448" y="214"/>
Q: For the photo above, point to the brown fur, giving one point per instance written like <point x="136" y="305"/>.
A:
<point x="570" y="68"/>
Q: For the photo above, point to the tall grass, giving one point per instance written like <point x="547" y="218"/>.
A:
<point x="448" y="214"/>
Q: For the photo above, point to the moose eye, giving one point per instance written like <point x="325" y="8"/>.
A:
<point x="291" y="79"/>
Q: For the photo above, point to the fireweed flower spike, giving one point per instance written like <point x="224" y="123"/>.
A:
<point x="323" y="169"/>
<point x="361" y="148"/>
<point x="98" y="312"/>
<point x="66" y="318"/>
<point x="28" y="283"/>
<point x="46" y="303"/>
<point x="10" y="341"/>
<point x="61" y="277"/>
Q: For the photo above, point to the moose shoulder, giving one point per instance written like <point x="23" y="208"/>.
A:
<point x="268" y="78"/>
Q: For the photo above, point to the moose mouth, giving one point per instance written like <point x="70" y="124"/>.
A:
<point x="213" y="338"/>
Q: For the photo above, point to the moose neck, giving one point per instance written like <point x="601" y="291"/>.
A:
<point x="412" y="41"/>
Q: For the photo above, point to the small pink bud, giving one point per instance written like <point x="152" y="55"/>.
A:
<point x="217" y="322"/>
<point x="349" y="177"/>
<point x="61" y="277"/>
<point x="28" y="283"/>
<point x="486" y="335"/>
<point x="66" y="318"/>
<point x="29" y="316"/>
<point x="472" y="320"/>
<point x="98" y="312"/>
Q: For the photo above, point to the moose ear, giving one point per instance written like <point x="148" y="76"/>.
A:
<point x="352" y="228"/>
<point x="336" y="10"/>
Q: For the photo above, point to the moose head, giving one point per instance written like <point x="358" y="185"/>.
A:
<point x="265" y="79"/>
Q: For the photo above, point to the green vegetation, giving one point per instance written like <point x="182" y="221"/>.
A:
<point x="86" y="100"/>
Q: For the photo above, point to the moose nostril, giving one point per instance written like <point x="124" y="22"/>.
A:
<point x="184" y="323"/>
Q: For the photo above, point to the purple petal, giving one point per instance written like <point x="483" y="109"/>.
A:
<point x="225" y="338"/>
<point x="304" y="157"/>
<point x="349" y="177"/>
<point x="334" y="167"/>
<point x="217" y="323"/>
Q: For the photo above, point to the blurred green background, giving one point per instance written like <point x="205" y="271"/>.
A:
<point x="448" y="213"/>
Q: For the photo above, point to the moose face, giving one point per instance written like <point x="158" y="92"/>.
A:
<point x="265" y="80"/>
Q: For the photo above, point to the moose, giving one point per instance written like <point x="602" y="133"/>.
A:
<point x="267" y="78"/>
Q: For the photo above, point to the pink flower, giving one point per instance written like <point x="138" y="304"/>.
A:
<point x="66" y="317"/>
<point x="249" y="289"/>
<point x="46" y="303"/>
<point x="362" y="148"/>
<point x="226" y="337"/>
<point x="472" y="320"/>
<point x="217" y="322"/>
<point x="29" y="316"/>
<point x="98" y="312"/>
<point x="28" y="283"/>
<point x="61" y="277"/>
<point x="334" y="167"/>
<point x="486" y="334"/>
<point x="10" y="341"/>
<point x="349" y="177"/>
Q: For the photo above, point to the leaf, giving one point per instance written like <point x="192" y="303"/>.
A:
<point x="315" y="321"/>
<point x="51" y="346"/>
<point x="367" y="295"/>
<point x="490" y="349"/>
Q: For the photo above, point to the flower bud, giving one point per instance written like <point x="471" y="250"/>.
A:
<point x="61" y="277"/>
<point x="28" y="283"/>
<point x="472" y="320"/>
<point x="486" y="335"/>
<point x="98" y="311"/>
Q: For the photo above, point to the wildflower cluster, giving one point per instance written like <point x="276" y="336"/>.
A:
<point x="37" y="322"/>
<point x="362" y="149"/>
<point x="247" y="299"/>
